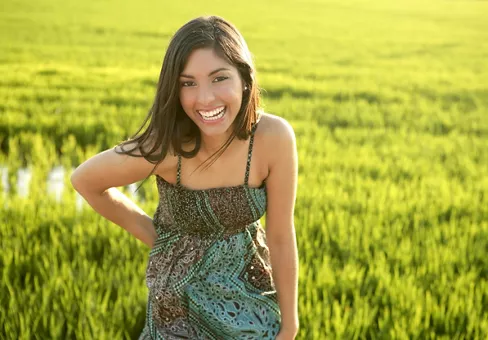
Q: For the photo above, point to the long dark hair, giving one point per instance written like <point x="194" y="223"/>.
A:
<point x="169" y="126"/>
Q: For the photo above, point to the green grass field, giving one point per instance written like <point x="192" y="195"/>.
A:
<point x="389" y="102"/>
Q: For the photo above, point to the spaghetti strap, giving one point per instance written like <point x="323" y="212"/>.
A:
<point x="178" y="171"/>
<point x="249" y="154"/>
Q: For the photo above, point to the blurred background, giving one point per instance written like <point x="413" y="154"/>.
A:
<point x="389" y="102"/>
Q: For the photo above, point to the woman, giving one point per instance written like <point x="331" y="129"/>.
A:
<point x="220" y="164"/>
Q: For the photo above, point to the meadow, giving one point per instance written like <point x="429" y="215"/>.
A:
<point x="389" y="103"/>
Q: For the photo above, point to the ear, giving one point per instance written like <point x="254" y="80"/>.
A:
<point x="244" y="85"/>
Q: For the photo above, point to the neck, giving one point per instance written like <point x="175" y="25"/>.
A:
<point x="211" y="144"/>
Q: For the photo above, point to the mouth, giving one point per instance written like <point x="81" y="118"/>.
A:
<point x="212" y="114"/>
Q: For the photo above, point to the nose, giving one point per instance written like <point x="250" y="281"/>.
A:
<point x="205" y="95"/>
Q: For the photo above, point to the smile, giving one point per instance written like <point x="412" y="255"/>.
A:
<point x="213" y="114"/>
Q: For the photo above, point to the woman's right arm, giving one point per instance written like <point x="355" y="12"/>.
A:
<point x="97" y="180"/>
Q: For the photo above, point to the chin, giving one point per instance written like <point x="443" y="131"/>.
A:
<point x="215" y="131"/>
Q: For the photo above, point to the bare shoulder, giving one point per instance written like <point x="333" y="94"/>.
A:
<point x="136" y="149"/>
<point x="273" y="126"/>
<point x="275" y="134"/>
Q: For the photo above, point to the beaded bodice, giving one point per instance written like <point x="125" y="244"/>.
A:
<point x="209" y="212"/>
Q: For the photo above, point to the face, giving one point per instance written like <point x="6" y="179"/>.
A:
<point x="211" y="92"/>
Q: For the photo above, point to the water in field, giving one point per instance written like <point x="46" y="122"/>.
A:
<point x="55" y="185"/>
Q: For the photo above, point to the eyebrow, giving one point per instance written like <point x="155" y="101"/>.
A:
<point x="211" y="73"/>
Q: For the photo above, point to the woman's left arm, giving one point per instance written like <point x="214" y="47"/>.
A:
<point x="281" y="186"/>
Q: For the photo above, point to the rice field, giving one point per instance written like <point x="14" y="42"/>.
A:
<point x="389" y="102"/>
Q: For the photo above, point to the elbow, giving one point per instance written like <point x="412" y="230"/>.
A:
<point x="76" y="182"/>
<point x="79" y="182"/>
<point x="84" y="186"/>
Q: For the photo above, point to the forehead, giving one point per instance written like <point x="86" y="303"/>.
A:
<point x="205" y="60"/>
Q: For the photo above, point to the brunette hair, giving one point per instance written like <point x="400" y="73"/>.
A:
<point x="169" y="126"/>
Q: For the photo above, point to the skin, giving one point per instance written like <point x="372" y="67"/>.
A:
<point x="274" y="159"/>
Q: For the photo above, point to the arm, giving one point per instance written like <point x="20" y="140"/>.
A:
<point x="280" y="230"/>
<point x="96" y="179"/>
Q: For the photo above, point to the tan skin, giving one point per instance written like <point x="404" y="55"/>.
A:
<point x="274" y="159"/>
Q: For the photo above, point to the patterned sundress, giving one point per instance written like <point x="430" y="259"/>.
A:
<point x="209" y="273"/>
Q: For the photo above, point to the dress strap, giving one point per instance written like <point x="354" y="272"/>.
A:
<point x="178" y="171"/>
<point x="249" y="154"/>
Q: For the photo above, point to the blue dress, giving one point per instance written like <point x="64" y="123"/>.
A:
<point x="209" y="274"/>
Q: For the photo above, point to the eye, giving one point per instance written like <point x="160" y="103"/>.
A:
<point x="187" y="83"/>
<point x="219" y="79"/>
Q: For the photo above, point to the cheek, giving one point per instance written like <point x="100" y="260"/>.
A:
<point x="186" y="100"/>
<point x="231" y="95"/>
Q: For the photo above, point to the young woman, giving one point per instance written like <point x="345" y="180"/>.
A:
<point x="220" y="165"/>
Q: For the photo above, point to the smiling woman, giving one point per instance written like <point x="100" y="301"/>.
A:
<point x="213" y="272"/>
<point x="204" y="51"/>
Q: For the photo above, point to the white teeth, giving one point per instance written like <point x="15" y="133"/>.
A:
<point x="213" y="115"/>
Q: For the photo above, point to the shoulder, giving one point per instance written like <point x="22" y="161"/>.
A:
<point x="273" y="126"/>
<point x="276" y="135"/>
<point x="148" y="152"/>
